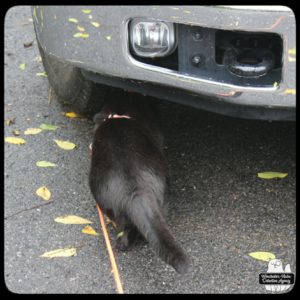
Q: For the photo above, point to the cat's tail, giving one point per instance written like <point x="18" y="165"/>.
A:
<point x="147" y="217"/>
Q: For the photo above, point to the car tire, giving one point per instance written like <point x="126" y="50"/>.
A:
<point x="72" y="88"/>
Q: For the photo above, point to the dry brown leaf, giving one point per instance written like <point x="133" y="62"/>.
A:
<point x="89" y="230"/>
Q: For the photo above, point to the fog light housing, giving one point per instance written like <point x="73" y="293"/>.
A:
<point x="151" y="38"/>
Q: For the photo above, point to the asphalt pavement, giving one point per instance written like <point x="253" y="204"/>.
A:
<point x="219" y="209"/>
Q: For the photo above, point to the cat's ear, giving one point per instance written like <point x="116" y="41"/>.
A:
<point x="99" y="118"/>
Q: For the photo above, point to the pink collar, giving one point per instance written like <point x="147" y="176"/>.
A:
<point x="111" y="116"/>
<point x="115" y="116"/>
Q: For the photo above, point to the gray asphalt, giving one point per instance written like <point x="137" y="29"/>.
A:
<point x="219" y="210"/>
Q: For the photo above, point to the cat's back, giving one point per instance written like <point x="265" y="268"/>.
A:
<point x="120" y="139"/>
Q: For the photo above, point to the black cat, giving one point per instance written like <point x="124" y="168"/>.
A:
<point x="128" y="175"/>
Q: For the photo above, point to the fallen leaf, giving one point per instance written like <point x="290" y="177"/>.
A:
<point x="14" y="140"/>
<point x="89" y="230"/>
<point x="290" y="91"/>
<point x="38" y="58"/>
<point x="120" y="234"/>
<point x="45" y="164"/>
<point x="71" y="115"/>
<point x="80" y="28"/>
<point x="264" y="256"/>
<point x="66" y="145"/>
<point x="108" y="37"/>
<point x="109" y="221"/>
<point x="292" y="51"/>
<point x="42" y="74"/>
<point x="275" y="84"/>
<point x="23" y="66"/>
<point x="86" y="11"/>
<point x="44" y="193"/>
<point x="73" y="20"/>
<point x="27" y="23"/>
<point x="96" y="24"/>
<point x="10" y="121"/>
<point x="16" y="132"/>
<point x="32" y="131"/>
<point x="270" y="175"/>
<point x="27" y="44"/>
<point x="71" y="219"/>
<point x="63" y="252"/>
<point x="48" y="127"/>
<point x="291" y="59"/>
<point x="90" y="17"/>
<point x="81" y="35"/>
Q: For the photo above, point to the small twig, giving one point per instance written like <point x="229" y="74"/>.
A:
<point x="18" y="212"/>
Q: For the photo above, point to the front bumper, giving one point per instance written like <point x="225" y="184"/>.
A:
<point x="106" y="52"/>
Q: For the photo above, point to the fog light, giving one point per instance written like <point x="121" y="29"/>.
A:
<point x="150" y="38"/>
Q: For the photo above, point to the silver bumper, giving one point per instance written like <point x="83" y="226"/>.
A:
<point x="105" y="51"/>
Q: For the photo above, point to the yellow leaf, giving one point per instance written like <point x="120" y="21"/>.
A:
<point x="96" y="24"/>
<point x="291" y="59"/>
<point x="89" y="230"/>
<point x="275" y="84"/>
<point x="66" y="145"/>
<point x="270" y="175"/>
<point x="108" y="37"/>
<point x="42" y="74"/>
<point x="290" y="91"/>
<point x="14" y="140"/>
<point x="43" y="163"/>
<point x="71" y="219"/>
<point x="120" y="234"/>
<point x="44" y="193"/>
<point x="264" y="256"/>
<point x="81" y="35"/>
<point x="33" y="131"/>
<point x="63" y="252"/>
<point x="80" y="28"/>
<point x="292" y="51"/>
<point x="86" y="11"/>
<point x="71" y="115"/>
<point x="73" y="20"/>
<point x="22" y="66"/>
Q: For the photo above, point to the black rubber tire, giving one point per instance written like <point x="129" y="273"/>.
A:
<point x="72" y="88"/>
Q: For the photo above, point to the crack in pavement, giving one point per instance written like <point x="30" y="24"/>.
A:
<point x="27" y="209"/>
